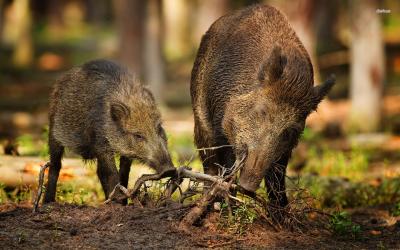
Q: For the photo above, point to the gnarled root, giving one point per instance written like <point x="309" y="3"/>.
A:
<point x="218" y="189"/>
<point x="221" y="187"/>
<point x="138" y="184"/>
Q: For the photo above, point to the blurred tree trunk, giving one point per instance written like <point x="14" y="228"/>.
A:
<point x="301" y="15"/>
<point x="2" y="5"/>
<point x="207" y="13"/>
<point x="96" y="11"/>
<point x="153" y="59"/>
<point x="23" y="48"/>
<point x="176" y="18"/>
<point x="130" y="18"/>
<point x="367" y="66"/>
<point x="55" y="15"/>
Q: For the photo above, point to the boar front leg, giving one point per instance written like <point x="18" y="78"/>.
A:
<point x="107" y="172"/>
<point x="124" y="169"/>
<point x="275" y="182"/>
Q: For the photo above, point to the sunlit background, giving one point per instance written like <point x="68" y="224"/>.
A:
<point x="350" y="151"/>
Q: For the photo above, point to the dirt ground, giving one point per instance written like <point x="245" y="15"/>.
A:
<point x="116" y="227"/>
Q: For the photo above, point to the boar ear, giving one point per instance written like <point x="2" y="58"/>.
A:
<point x="272" y="68"/>
<point x="118" y="111"/>
<point x="323" y="89"/>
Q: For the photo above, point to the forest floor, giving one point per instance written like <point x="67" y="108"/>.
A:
<point x="67" y="226"/>
<point x="345" y="175"/>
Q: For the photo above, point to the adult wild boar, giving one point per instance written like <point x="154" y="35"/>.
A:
<point x="100" y="110"/>
<point x="252" y="88"/>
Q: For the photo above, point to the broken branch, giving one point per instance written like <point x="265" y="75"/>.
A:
<point x="40" y="186"/>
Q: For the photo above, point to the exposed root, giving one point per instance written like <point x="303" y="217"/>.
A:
<point x="138" y="184"/>
<point x="214" y="188"/>
<point x="221" y="187"/>
<point x="40" y="187"/>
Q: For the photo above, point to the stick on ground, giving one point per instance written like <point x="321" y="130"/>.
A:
<point x="40" y="186"/>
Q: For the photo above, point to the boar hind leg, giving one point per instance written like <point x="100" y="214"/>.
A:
<point x="56" y="151"/>
<point x="107" y="172"/>
<point x="275" y="182"/>
<point x="124" y="169"/>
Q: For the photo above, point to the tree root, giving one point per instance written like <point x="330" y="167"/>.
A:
<point x="138" y="184"/>
<point x="220" y="188"/>
<point x="40" y="187"/>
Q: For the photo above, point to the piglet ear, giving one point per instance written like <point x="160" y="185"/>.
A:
<point x="323" y="89"/>
<point x="272" y="68"/>
<point x="118" y="111"/>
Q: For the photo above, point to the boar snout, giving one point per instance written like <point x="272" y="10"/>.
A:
<point x="253" y="171"/>
<point x="161" y="159"/>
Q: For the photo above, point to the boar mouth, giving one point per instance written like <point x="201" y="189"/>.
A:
<point x="253" y="170"/>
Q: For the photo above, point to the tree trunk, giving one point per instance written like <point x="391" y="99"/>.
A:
<point x="367" y="66"/>
<point x="153" y="59"/>
<point x="23" y="48"/>
<point x="2" y="5"/>
<point x="55" y="15"/>
<point x="208" y="11"/>
<point x="129" y="17"/>
<point x="176" y="19"/>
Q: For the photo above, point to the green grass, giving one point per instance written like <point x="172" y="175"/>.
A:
<point x="242" y="216"/>
<point x="30" y="146"/>
<point x="72" y="193"/>
<point x="342" y="225"/>
<point x="334" y="178"/>
<point x="327" y="162"/>
<point x="336" y="192"/>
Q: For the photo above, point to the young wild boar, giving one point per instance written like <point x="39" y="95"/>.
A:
<point x="252" y="88"/>
<point x="100" y="110"/>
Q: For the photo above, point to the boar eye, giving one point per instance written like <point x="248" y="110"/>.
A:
<point x="138" y="137"/>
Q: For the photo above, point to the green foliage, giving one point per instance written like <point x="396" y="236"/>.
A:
<point x="183" y="151"/>
<point x="26" y="144"/>
<point x="3" y="194"/>
<point x="396" y="209"/>
<point x="309" y="135"/>
<point x="381" y="246"/>
<point x="18" y="194"/>
<point x="342" y="225"/>
<point x="242" y="216"/>
<point x="30" y="146"/>
<point x="71" y="193"/>
<point x="342" y="193"/>
<point x="352" y="165"/>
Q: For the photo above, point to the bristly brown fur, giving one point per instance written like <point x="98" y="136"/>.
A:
<point x="252" y="87"/>
<point x="99" y="110"/>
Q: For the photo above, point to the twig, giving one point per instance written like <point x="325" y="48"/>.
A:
<point x="213" y="148"/>
<point x="40" y="187"/>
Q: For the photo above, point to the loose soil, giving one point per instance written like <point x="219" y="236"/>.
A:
<point x="66" y="226"/>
